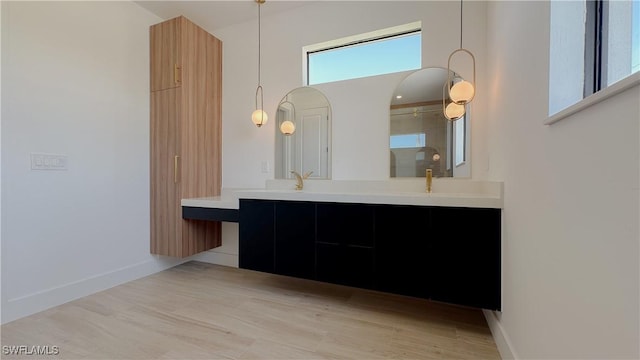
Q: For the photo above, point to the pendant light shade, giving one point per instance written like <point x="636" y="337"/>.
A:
<point x="462" y="92"/>
<point x="288" y="125"/>
<point x="259" y="116"/>
<point x="452" y="110"/>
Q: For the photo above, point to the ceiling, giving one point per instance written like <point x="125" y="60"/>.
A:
<point x="212" y="15"/>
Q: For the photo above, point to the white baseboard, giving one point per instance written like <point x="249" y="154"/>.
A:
<point x="22" y="306"/>
<point x="499" y="336"/>
<point x="217" y="258"/>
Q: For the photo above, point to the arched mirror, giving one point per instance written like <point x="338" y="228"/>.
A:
<point x="303" y="134"/>
<point x="420" y="136"/>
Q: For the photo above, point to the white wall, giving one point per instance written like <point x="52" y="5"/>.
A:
<point x="360" y="107"/>
<point x="75" y="82"/>
<point x="571" y="211"/>
<point x="1" y="265"/>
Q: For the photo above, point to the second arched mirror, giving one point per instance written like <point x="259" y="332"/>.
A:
<point x="420" y="136"/>
<point x="303" y="134"/>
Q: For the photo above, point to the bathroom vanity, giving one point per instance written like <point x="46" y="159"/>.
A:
<point x="441" y="246"/>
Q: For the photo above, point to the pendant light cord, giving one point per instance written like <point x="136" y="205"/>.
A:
<point x="259" y="88"/>
<point x="460" y="24"/>
<point x="259" y="42"/>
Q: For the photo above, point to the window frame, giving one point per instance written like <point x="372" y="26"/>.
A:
<point x="595" y="88"/>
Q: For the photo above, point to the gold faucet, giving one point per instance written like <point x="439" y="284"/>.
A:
<point x="429" y="175"/>
<point x="300" y="178"/>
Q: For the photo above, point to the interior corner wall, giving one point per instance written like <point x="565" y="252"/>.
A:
<point x="75" y="82"/>
<point x="571" y="203"/>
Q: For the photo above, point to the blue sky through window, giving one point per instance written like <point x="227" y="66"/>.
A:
<point x="367" y="59"/>
<point x="408" y="141"/>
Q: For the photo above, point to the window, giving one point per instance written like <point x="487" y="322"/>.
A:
<point x="380" y="52"/>
<point x="460" y="129"/>
<point x="593" y="44"/>
<point x="406" y="141"/>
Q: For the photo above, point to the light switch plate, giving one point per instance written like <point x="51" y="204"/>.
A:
<point x="266" y="167"/>
<point x="41" y="161"/>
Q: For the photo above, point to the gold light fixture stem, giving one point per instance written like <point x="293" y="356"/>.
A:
<point x="259" y="40"/>
<point x="259" y="88"/>
<point x="465" y="90"/>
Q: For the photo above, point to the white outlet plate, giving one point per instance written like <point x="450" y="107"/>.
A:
<point x="41" y="161"/>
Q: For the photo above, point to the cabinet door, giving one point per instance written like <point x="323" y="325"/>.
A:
<point x="165" y="192"/>
<point x="466" y="261"/>
<point x="165" y="62"/>
<point x="344" y="247"/>
<point x="344" y="264"/>
<point x="295" y="239"/>
<point x="403" y="234"/>
<point x="256" y="235"/>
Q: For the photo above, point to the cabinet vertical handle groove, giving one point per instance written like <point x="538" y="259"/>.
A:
<point x="175" y="168"/>
<point x="176" y="74"/>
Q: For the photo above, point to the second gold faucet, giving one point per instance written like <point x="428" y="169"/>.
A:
<point x="300" y="179"/>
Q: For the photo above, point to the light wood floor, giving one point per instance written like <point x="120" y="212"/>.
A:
<point x="204" y="311"/>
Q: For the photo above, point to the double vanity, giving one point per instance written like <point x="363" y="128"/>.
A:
<point x="387" y="236"/>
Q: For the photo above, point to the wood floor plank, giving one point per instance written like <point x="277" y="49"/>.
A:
<point x="203" y="311"/>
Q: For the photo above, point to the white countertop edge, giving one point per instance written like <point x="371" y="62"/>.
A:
<point x="418" y="199"/>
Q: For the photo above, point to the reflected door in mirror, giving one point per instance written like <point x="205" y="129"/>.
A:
<point x="308" y="148"/>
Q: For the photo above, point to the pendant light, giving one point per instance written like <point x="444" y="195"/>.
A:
<point x="288" y="126"/>
<point x="461" y="91"/>
<point x="452" y="111"/>
<point x="259" y="116"/>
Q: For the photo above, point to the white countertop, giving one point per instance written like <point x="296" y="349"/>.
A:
<point x="454" y="194"/>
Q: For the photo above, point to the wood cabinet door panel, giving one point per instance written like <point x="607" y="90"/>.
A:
<point x="165" y="190"/>
<point x="165" y="58"/>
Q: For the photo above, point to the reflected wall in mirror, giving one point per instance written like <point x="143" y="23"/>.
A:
<point x="308" y="148"/>
<point x="420" y="137"/>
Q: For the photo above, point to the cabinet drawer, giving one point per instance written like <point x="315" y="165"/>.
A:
<point x="345" y="264"/>
<point x="345" y="224"/>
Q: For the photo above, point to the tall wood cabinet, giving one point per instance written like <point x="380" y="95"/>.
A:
<point x="186" y="93"/>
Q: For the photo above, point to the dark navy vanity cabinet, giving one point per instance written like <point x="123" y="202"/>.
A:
<point x="449" y="254"/>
